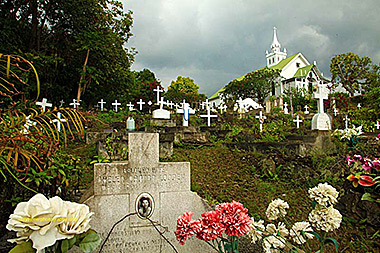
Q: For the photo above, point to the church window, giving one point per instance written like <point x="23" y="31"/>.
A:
<point x="297" y="64"/>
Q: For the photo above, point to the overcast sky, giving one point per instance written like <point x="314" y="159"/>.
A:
<point x="216" y="41"/>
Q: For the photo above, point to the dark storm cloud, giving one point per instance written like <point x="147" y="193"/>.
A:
<point x="215" y="41"/>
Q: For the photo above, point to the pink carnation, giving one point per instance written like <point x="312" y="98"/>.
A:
<point x="367" y="164"/>
<point x="211" y="227"/>
<point x="186" y="227"/>
<point x="234" y="218"/>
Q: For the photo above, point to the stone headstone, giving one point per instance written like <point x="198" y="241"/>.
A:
<point x="158" y="190"/>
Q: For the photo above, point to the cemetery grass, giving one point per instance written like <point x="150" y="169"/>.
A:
<point x="220" y="174"/>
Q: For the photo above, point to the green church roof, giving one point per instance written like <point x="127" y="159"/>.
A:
<point x="279" y="65"/>
<point x="303" y="71"/>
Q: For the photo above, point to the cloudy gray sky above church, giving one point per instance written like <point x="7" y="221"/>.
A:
<point x="215" y="41"/>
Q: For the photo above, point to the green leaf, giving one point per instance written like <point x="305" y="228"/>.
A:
<point x="25" y="247"/>
<point x="333" y="241"/>
<point x="64" y="245"/>
<point x="367" y="196"/>
<point x="90" y="242"/>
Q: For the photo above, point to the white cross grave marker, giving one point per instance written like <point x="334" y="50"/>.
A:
<point x="61" y="103"/>
<point x="261" y="118"/>
<point x="321" y="94"/>
<point x="359" y="106"/>
<point x="150" y="103"/>
<point x="140" y="103"/>
<point x="101" y="104"/>
<point x="377" y="125"/>
<point x="162" y="103"/>
<point x="222" y="108"/>
<point x="208" y="116"/>
<point x="297" y="121"/>
<point x="75" y="103"/>
<point x="158" y="90"/>
<point x="44" y="104"/>
<point x="116" y="104"/>
<point x="170" y="104"/>
<point x="59" y="120"/>
<point x="335" y="111"/>
<point x="306" y="109"/>
<point x="186" y="110"/>
<point x="130" y="106"/>
<point x="347" y="119"/>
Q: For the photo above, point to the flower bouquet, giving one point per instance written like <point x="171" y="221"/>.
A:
<point x="52" y="225"/>
<point x="220" y="228"/>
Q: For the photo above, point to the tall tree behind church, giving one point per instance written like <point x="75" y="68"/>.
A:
<point x="57" y="35"/>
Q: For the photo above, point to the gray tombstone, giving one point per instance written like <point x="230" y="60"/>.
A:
<point x="153" y="189"/>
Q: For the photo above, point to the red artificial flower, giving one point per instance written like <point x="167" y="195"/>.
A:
<point x="211" y="227"/>
<point x="362" y="180"/>
<point x="234" y="218"/>
<point x="186" y="227"/>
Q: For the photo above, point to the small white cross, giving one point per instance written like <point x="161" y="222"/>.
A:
<point x="61" y="103"/>
<point x="359" y="106"/>
<point x="59" y="120"/>
<point x="170" y="103"/>
<point x="115" y="104"/>
<point x="297" y="121"/>
<point x="150" y="103"/>
<point x="101" y="104"/>
<point x="162" y="103"/>
<point x="377" y="125"/>
<point x="335" y="111"/>
<point x="44" y="104"/>
<point x="206" y="103"/>
<point x="222" y="108"/>
<point x="140" y="103"/>
<point x="346" y="119"/>
<point x="28" y="123"/>
<point x="261" y="118"/>
<point x="177" y="106"/>
<point x="75" y="103"/>
<point x="186" y="110"/>
<point x="158" y="90"/>
<point x="208" y="116"/>
<point x="130" y="106"/>
<point x="306" y="109"/>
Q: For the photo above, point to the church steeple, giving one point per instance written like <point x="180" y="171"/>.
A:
<point x="276" y="55"/>
<point x="276" y="46"/>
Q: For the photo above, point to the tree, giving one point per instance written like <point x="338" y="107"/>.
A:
<point x="77" y="45"/>
<point x="257" y="84"/>
<point x="184" y="88"/>
<point x="350" y="70"/>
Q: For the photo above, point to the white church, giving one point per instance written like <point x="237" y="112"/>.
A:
<point x="296" y="71"/>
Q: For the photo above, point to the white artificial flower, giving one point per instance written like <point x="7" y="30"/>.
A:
<point x="256" y="232"/>
<point x="324" y="194"/>
<point x="45" y="221"/>
<point x="276" y="209"/>
<point x="35" y="220"/>
<point x="295" y="232"/>
<point x="77" y="219"/>
<point x="325" y="218"/>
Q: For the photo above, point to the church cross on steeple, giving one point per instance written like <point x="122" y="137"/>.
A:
<point x="276" y="55"/>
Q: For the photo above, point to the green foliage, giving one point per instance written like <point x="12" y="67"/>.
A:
<point x="350" y="70"/>
<point x="184" y="88"/>
<point x="257" y="84"/>
<point x="299" y="97"/>
<point x="58" y="36"/>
